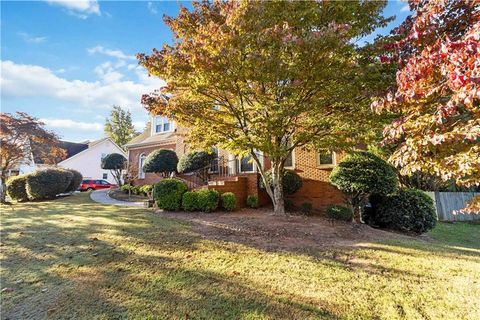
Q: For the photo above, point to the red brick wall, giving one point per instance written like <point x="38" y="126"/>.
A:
<point x="238" y="186"/>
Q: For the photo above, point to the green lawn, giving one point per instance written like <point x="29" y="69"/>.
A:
<point x="75" y="259"/>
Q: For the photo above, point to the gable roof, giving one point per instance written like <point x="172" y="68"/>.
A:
<point x="71" y="149"/>
<point x="93" y="144"/>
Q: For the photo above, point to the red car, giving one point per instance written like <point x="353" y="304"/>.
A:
<point x="88" y="185"/>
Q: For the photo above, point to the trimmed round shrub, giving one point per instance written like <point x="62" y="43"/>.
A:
<point x="16" y="188"/>
<point x="146" y="190"/>
<point x="338" y="212"/>
<point x="168" y="193"/>
<point x="291" y="181"/>
<point x="229" y="201"/>
<point x="406" y="210"/>
<point x="190" y="201"/>
<point x="208" y="200"/>
<point x="113" y="161"/>
<point x="193" y="161"/>
<point x="252" y="201"/>
<point x="76" y="180"/>
<point x="161" y="161"/>
<point x="47" y="183"/>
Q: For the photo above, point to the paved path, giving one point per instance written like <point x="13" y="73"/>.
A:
<point x="102" y="196"/>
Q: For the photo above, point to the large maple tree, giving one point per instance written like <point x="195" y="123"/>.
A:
<point x="437" y="91"/>
<point x="265" y="77"/>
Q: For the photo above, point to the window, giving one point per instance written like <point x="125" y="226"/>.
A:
<point x="246" y="164"/>
<point x="141" y="162"/>
<point x="105" y="176"/>
<point x="326" y="159"/>
<point x="162" y="124"/>
<point x="214" y="166"/>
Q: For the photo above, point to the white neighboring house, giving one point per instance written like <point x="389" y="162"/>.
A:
<point x="88" y="161"/>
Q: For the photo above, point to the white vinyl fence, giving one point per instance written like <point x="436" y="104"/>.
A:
<point x="446" y="203"/>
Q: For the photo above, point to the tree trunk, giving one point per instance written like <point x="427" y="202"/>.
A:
<point x="278" y="200"/>
<point x="3" y="191"/>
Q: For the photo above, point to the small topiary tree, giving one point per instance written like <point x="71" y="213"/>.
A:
<point x="47" y="183"/>
<point x="168" y="193"/>
<point x="406" y="210"/>
<point x="190" y="201"/>
<point x="161" y="161"/>
<point x="361" y="174"/>
<point x="208" y="200"/>
<point x="291" y="181"/>
<point x="196" y="161"/>
<point x="116" y="163"/>
<point x="76" y="181"/>
<point x="229" y="201"/>
<point x="16" y="188"/>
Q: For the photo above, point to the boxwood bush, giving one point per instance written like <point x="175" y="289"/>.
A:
<point x="190" y="201"/>
<point x="207" y="200"/>
<point x="291" y="182"/>
<point x="47" y="183"/>
<point x="16" y="188"/>
<point x="229" y="201"/>
<point x="338" y="212"/>
<point x="76" y="180"/>
<point x="252" y="201"/>
<point x="405" y="210"/>
<point x="145" y="190"/>
<point x="162" y="161"/>
<point x="168" y="193"/>
<point x="193" y="161"/>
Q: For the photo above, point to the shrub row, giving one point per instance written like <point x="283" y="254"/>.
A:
<point x="144" y="190"/>
<point x="43" y="184"/>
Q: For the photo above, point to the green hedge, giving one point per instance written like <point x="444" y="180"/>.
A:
<point x="16" y="188"/>
<point x="47" y="183"/>
<point x="338" y="212"/>
<point x="190" y="201"/>
<point x="168" y="193"/>
<point x="193" y="161"/>
<point x="229" y="201"/>
<point x="406" y="210"/>
<point x="208" y="200"/>
<point x="76" y="180"/>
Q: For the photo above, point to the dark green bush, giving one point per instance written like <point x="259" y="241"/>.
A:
<point x="48" y="183"/>
<point x="76" y="180"/>
<point x="208" y="200"/>
<point x="193" y="161"/>
<point x="338" y="212"/>
<point x="161" y="161"/>
<point x="291" y="182"/>
<point x="190" y="201"/>
<point x="168" y="193"/>
<point x="16" y="187"/>
<point x="113" y="161"/>
<point x="229" y="201"/>
<point x="306" y="208"/>
<point x="406" y="210"/>
<point x="252" y="201"/>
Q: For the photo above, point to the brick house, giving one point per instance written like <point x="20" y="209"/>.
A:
<point x="240" y="176"/>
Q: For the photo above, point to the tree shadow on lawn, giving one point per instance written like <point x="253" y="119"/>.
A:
<point x="98" y="261"/>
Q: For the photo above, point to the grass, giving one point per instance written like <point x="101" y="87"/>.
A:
<point x="72" y="258"/>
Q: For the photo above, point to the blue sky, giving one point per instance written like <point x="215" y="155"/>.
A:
<point x="68" y="62"/>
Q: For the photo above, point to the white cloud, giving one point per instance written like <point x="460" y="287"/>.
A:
<point x="139" y="125"/>
<point x="405" y="8"/>
<point x="30" y="39"/>
<point x="21" y="80"/>
<point x="78" y="8"/>
<point x="111" y="53"/>
<point x="70" y="124"/>
<point x="152" y="8"/>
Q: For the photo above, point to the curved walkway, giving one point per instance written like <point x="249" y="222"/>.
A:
<point x="101" y="196"/>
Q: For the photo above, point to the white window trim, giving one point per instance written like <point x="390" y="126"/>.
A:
<point x="326" y="166"/>
<point x="141" y="173"/>
<point x="154" y="126"/>
<point x="254" y="165"/>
